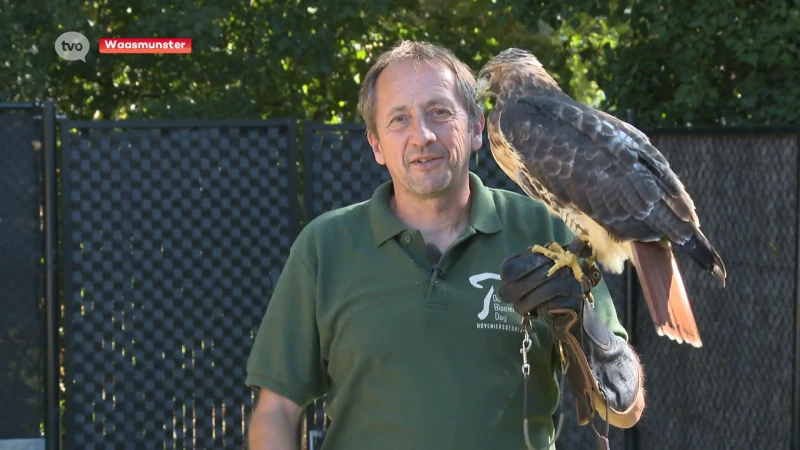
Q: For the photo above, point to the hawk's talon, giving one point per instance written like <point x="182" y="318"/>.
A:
<point x="562" y="258"/>
<point x="553" y="252"/>
<point x="591" y="271"/>
<point x="587" y="286"/>
<point x="581" y="248"/>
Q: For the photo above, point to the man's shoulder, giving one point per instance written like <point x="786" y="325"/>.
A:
<point x="514" y="203"/>
<point x="334" y="225"/>
<point x="523" y="214"/>
<point x="353" y="214"/>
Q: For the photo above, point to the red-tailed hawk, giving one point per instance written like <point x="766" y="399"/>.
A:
<point x="604" y="179"/>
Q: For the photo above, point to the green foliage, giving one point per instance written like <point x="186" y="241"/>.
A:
<point x="250" y="59"/>
<point x="705" y="62"/>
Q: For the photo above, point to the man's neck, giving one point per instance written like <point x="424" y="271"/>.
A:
<point x="440" y="219"/>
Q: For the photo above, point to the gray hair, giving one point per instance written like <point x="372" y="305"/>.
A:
<point x="418" y="51"/>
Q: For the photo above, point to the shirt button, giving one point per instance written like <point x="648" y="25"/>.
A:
<point x="407" y="239"/>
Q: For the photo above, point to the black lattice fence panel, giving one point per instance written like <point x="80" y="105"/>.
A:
<point x="21" y="275"/>
<point x="736" y="391"/>
<point x="174" y="235"/>
<point x="340" y="169"/>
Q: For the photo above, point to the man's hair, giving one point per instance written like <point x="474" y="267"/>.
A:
<point x="418" y="51"/>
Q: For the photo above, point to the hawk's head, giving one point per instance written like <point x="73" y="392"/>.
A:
<point x="511" y="68"/>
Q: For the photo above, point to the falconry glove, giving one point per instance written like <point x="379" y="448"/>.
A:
<point x="601" y="369"/>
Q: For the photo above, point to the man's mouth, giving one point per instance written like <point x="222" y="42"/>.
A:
<point x="424" y="161"/>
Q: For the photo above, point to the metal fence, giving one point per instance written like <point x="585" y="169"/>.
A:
<point x="21" y="324"/>
<point x="28" y="356"/>
<point x="740" y="390"/>
<point x="173" y="234"/>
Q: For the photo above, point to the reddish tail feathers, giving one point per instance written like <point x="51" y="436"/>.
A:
<point x="664" y="292"/>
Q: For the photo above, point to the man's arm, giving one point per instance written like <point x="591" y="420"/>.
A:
<point x="285" y="363"/>
<point x="600" y="362"/>
<point x="274" y="423"/>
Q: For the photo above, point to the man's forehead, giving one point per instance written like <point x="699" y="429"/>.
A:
<point x="419" y="67"/>
<point x="405" y="83"/>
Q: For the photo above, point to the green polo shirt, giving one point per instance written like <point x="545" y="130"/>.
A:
<point x="411" y="356"/>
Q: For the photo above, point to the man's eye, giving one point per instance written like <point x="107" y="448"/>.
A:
<point x="440" y="112"/>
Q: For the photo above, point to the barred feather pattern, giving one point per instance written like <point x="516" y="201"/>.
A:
<point x="604" y="179"/>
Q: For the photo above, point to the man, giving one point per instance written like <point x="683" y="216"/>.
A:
<point x="390" y="306"/>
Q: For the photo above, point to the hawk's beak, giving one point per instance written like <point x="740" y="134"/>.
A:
<point x="480" y="89"/>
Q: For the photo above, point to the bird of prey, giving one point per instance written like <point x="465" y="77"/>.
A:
<point x="604" y="179"/>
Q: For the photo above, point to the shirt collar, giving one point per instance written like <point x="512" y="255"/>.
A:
<point x="385" y="225"/>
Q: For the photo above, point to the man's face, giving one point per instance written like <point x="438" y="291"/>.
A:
<point x="423" y="132"/>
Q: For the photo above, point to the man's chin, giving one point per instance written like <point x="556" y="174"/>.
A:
<point x="431" y="186"/>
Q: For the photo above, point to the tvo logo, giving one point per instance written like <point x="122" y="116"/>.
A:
<point x="72" y="46"/>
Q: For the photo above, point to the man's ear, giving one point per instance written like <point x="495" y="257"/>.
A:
<point x="476" y="133"/>
<point x="376" y="148"/>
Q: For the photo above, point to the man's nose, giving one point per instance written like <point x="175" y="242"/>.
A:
<point x="421" y="133"/>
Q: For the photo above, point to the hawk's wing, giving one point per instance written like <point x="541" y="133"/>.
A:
<point x="601" y="166"/>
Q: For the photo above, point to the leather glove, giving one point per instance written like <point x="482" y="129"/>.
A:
<point x="601" y="369"/>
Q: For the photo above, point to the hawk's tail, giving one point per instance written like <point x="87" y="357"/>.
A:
<point x="664" y="292"/>
<point x="704" y="254"/>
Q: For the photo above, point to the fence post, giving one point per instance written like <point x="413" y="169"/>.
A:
<point x="52" y="423"/>
<point x="631" y="285"/>
<point x="52" y="418"/>
<point x="796" y="387"/>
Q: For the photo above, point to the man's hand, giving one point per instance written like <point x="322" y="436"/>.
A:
<point x="274" y="423"/>
<point x="603" y="372"/>
<point x="526" y="285"/>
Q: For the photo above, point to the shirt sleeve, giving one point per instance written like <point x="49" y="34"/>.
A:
<point x="285" y="356"/>
<point x="603" y="303"/>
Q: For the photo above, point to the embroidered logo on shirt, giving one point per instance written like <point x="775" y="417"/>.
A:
<point x="494" y="314"/>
